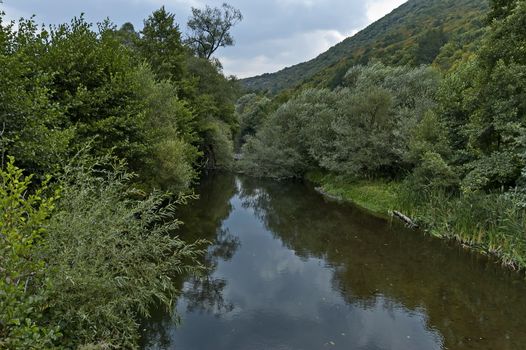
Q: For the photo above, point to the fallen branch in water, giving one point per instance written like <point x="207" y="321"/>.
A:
<point x="405" y="219"/>
<point x="321" y="191"/>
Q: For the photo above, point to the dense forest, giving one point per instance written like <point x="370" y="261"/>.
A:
<point x="97" y="124"/>
<point x="447" y="148"/>
<point x="418" y="32"/>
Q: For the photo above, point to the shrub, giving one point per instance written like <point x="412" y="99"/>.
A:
<point x="83" y="269"/>
<point x="113" y="256"/>
<point x="433" y="174"/>
<point x="23" y="285"/>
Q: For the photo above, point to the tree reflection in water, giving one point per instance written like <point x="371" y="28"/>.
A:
<point x="205" y="294"/>
<point x="308" y="269"/>
<point x="377" y="262"/>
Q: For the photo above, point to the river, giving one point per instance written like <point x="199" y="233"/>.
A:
<point x="292" y="270"/>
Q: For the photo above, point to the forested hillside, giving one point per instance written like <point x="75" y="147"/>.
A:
<point x="446" y="148"/>
<point x="418" y="32"/>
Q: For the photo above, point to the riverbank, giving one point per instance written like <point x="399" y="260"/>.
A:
<point x="490" y="224"/>
<point x="378" y="197"/>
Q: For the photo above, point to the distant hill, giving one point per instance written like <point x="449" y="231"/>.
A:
<point x="418" y="32"/>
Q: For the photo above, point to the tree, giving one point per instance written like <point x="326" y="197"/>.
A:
<point x="496" y="104"/>
<point x="211" y="97"/>
<point x="93" y="80"/>
<point x="429" y="45"/>
<point x="501" y="8"/>
<point x="29" y="118"/>
<point x="161" y="45"/>
<point x="210" y="29"/>
<point x="127" y="35"/>
<point x="362" y="130"/>
<point x="251" y="111"/>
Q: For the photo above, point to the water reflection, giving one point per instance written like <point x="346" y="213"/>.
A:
<point x="291" y="271"/>
<point x="205" y="294"/>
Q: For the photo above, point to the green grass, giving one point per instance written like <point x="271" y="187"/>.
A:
<point x="377" y="196"/>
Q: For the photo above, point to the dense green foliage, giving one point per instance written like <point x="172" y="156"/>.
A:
<point x="87" y="251"/>
<point x="107" y="244"/>
<point x="362" y="130"/>
<point x="114" y="116"/>
<point x="82" y="265"/>
<point x="419" y="31"/>
<point x="251" y="111"/>
<point x="22" y="300"/>
<point x="454" y="141"/>
<point x="68" y="85"/>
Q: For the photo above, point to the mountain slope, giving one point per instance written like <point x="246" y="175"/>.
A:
<point x="418" y="32"/>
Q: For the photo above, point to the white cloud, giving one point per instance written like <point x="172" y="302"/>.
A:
<point x="304" y="3"/>
<point x="271" y="55"/>
<point x="247" y="67"/>
<point x="281" y="52"/>
<point x="377" y="9"/>
<point x="194" y="3"/>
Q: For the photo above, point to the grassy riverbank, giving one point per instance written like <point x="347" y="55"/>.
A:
<point x="491" y="224"/>
<point x="379" y="197"/>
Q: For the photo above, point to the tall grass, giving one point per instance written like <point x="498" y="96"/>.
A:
<point x="493" y="224"/>
<point x="379" y="197"/>
<point x="490" y="223"/>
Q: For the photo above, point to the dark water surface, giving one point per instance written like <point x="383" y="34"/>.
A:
<point x="290" y="270"/>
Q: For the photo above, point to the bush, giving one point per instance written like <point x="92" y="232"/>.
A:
<point x="432" y="174"/>
<point x="113" y="256"/>
<point x="218" y="145"/>
<point x="23" y="284"/>
<point x="251" y="112"/>
<point x="98" y="258"/>
<point x="278" y="149"/>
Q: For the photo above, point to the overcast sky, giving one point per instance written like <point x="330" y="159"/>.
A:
<point x="273" y="35"/>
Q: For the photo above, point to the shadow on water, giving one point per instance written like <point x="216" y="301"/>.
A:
<point x="289" y="270"/>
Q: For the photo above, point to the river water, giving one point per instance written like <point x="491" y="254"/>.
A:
<point x="291" y="270"/>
